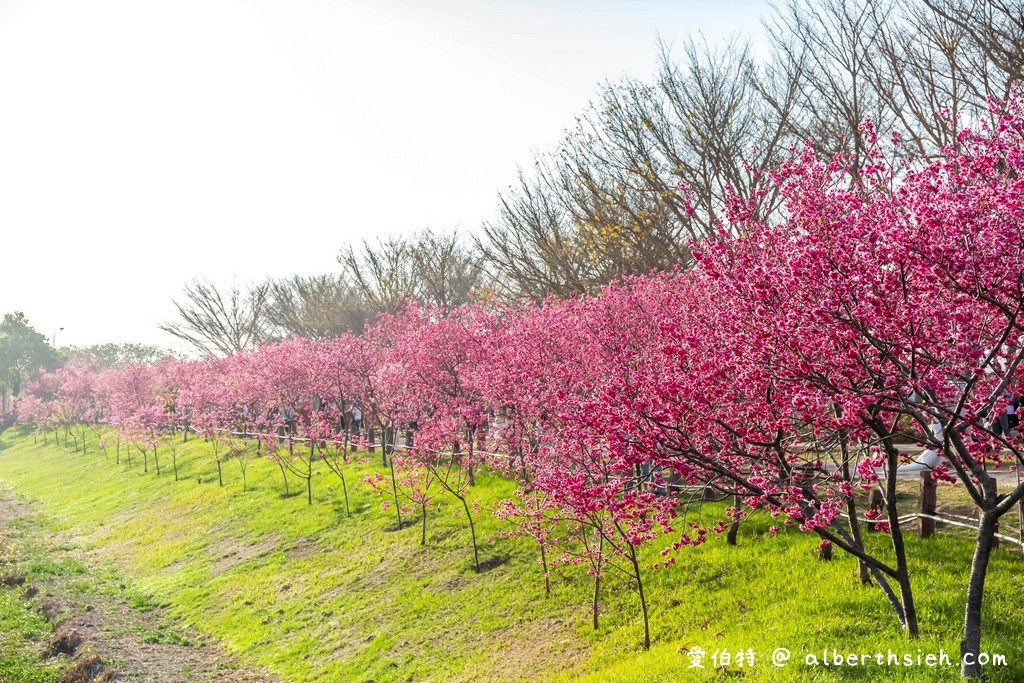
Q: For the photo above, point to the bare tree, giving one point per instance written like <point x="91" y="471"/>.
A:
<point x="827" y="44"/>
<point x="117" y="355"/>
<point x="608" y="203"/>
<point x="995" y="30"/>
<point x="316" y="306"/>
<point x="448" y="272"/>
<point x="533" y="249"/>
<point x="382" y="273"/>
<point x="923" y="65"/>
<point x="898" y="64"/>
<point x="430" y="267"/>
<point x="222" y="323"/>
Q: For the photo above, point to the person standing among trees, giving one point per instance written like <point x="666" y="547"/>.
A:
<point x="1007" y="421"/>
<point x="357" y="417"/>
<point x="1011" y="417"/>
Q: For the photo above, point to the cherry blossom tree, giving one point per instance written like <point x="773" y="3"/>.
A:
<point x="204" y="400"/>
<point x="429" y="381"/>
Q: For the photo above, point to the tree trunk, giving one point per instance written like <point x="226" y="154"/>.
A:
<point x="544" y="566"/>
<point x="851" y="509"/>
<point x="309" y="478"/>
<point x="640" y="590"/>
<point x="394" y="491"/>
<point x="730" y="538"/>
<point x="597" y="578"/>
<point x="472" y="532"/>
<point x="423" y="523"/>
<point x="284" y="475"/>
<point x="898" y="546"/>
<point x="970" y="643"/>
<point x="344" y="489"/>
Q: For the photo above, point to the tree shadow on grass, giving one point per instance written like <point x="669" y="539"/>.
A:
<point x="494" y="562"/>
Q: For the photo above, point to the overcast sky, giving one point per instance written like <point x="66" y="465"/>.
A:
<point x="147" y="143"/>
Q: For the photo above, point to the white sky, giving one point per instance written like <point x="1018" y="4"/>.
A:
<point x="146" y="143"/>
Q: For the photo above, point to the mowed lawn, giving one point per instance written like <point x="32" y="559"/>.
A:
<point x="316" y="595"/>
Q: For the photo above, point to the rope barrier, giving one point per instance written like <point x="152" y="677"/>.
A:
<point x="914" y="516"/>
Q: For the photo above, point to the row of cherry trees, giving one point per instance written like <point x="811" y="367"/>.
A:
<point x="782" y="370"/>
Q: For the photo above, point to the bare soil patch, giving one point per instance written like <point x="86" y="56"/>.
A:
<point x="107" y="637"/>
<point x="533" y="649"/>
<point x="232" y="552"/>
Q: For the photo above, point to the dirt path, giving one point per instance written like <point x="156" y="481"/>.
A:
<point x="95" y="623"/>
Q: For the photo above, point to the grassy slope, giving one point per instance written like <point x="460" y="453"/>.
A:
<point x="317" y="596"/>
<point x="23" y="630"/>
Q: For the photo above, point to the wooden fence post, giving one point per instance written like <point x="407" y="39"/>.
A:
<point x="926" y="505"/>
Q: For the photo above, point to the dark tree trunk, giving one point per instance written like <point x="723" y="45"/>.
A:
<point x="394" y="491"/>
<point x="472" y="532"/>
<point x="309" y="473"/>
<point x="970" y="642"/>
<point x="643" y="600"/>
<point x="344" y="489"/>
<point x="597" y="580"/>
<point x="898" y="546"/>
<point x="284" y="475"/>
<point x="851" y="511"/>
<point x="544" y="566"/>
<point x="423" y="523"/>
<point x="730" y="538"/>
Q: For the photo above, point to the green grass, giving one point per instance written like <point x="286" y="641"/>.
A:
<point x="23" y="630"/>
<point x="317" y="596"/>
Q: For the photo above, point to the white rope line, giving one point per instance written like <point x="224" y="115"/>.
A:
<point x="1001" y="537"/>
<point x="914" y="516"/>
